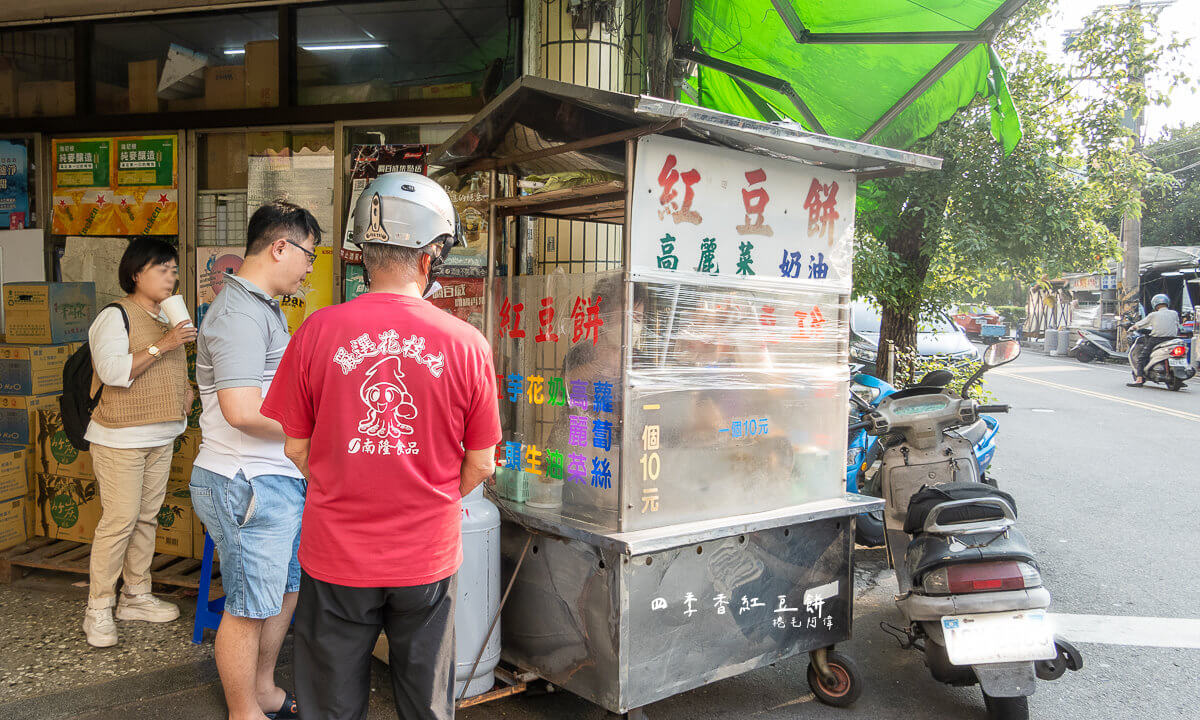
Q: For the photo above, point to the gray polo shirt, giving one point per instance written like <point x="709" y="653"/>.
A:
<point x="242" y="338"/>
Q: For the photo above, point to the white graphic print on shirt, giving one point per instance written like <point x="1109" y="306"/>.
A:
<point x="383" y="392"/>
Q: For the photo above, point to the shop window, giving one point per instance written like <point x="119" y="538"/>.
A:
<point x="37" y="70"/>
<point x="238" y="172"/>
<point x="415" y="49"/>
<point x="215" y="61"/>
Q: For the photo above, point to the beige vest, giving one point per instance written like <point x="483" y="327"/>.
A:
<point x="160" y="394"/>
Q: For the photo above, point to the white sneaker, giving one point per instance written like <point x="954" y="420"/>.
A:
<point x="146" y="607"/>
<point x="99" y="627"/>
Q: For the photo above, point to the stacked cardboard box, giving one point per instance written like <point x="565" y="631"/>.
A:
<point x="45" y="322"/>
<point x="47" y="486"/>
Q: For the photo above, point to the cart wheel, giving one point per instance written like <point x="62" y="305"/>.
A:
<point x="847" y="685"/>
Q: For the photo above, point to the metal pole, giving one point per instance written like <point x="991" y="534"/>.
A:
<point x="1131" y="233"/>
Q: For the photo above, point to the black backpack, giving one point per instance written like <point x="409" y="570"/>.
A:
<point x="77" y="402"/>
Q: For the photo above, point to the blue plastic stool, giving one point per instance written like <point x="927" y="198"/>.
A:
<point x="208" y="612"/>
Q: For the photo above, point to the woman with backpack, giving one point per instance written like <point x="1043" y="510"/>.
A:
<point x="140" y="369"/>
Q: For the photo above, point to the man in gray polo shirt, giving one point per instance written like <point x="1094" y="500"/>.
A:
<point x="245" y="490"/>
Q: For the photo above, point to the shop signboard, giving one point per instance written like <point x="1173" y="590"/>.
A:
<point x="703" y="211"/>
<point x="82" y="182"/>
<point x="14" y="184"/>
<point x="147" y="185"/>
<point x="462" y="298"/>
<point x="1086" y="283"/>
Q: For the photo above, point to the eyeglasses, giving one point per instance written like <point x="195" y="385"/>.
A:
<point x="312" y="256"/>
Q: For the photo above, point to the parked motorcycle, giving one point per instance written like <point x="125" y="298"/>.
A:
<point x="863" y="450"/>
<point x="1092" y="346"/>
<point x="969" y="586"/>
<point x="1168" y="363"/>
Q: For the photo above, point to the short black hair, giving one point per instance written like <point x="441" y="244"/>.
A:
<point x="141" y="252"/>
<point x="379" y="258"/>
<point x="280" y="218"/>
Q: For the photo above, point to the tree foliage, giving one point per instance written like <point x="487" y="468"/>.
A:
<point x="1172" y="215"/>
<point x="928" y="238"/>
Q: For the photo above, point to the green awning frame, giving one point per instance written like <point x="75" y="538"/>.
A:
<point x="881" y="71"/>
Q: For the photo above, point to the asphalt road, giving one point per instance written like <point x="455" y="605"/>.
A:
<point x="1104" y="479"/>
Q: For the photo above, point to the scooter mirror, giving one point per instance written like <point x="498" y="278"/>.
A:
<point x="1001" y="353"/>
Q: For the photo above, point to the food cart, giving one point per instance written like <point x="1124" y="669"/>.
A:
<point x="673" y="393"/>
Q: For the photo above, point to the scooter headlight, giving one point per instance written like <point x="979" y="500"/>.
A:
<point x="865" y="393"/>
<point x="853" y="456"/>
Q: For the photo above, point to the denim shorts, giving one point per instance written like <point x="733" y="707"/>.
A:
<point x="255" y="525"/>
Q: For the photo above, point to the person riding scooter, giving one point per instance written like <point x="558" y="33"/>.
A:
<point x="1164" y="327"/>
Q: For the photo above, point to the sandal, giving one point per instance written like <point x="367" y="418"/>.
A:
<point x="1136" y="384"/>
<point x="289" y="709"/>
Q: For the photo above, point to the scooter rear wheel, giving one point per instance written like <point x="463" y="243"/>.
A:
<point x="1006" y="708"/>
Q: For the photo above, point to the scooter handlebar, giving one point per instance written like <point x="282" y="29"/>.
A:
<point x="857" y="426"/>
<point x="994" y="408"/>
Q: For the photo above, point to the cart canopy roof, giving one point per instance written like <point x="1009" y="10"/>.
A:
<point x="885" y="71"/>
<point x="522" y="128"/>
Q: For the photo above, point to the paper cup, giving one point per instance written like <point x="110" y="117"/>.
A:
<point x="176" y="309"/>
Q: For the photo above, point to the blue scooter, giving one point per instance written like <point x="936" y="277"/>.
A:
<point x="862" y="451"/>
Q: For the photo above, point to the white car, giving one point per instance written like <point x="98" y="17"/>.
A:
<point x="937" y="335"/>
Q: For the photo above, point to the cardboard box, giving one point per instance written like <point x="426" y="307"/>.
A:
<point x="111" y="99"/>
<point x="186" y="446"/>
<point x="183" y="74"/>
<point x="174" y="534"/>
<point x="262" y="73"/>
<point x="435" y="92"/>
<point x="224" y="87"/>
<point x="186" y="105"/>
<point x="19" y="417"/>
<point x="143" y="86"/>
<point x="47" y="312"/>
<point x="46" y="98"/>
<point x="55" y="455"/>
<point x="10" y="80"/>
<point x="12" y="522"/>
<point x="67" y="508"/>
<point x="14" y="480"/>
<point x="224" y="166"/>
<point x="373" y="91"/>
<point x="32" y="369"/>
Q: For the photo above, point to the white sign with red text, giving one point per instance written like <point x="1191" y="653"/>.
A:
<point x="701" y="210"/>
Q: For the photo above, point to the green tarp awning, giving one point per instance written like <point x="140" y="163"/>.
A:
<point x="881" y="71"/>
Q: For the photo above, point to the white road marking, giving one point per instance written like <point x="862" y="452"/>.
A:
<point x="1103" y="396"/>
<point x="1057" y="367"/>
<point x="1041" y="410"/>
<point x="1124" y="630"/>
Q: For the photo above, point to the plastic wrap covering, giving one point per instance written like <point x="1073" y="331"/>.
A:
<point x="735" y="394"/>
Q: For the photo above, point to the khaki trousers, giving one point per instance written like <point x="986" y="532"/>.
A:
<point x="132" y="484"/>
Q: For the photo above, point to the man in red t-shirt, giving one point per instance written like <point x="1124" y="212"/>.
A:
<point x="389" y="406"/>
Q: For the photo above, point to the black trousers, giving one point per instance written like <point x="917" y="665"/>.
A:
<point x="336" y="629"/>
<point x="1148" y="347"/>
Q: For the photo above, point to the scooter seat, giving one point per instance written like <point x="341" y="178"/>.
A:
<point x="929" y="552"/>
<point x="930" y="496"/>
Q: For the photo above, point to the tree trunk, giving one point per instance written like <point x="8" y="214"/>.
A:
<point x="900" y="314"/>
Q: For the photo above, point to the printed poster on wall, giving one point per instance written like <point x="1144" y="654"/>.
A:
<point x="701" y="211"/>
<point x="147" y="184"/>
<point x="305" y="179"/>
<point x="82" y="195"/>
<point x="462" y="298"/>
<point x="14" y="184"/>
<point x="315" y="293"/>
<point x="368" y="162"/>
<point x="470" y="196"/>
<point x="212" y="263"/>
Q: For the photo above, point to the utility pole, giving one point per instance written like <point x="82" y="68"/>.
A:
<point x="1129" y="289"/>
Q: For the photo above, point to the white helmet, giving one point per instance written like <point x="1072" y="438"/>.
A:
<point x="405" y="209"/>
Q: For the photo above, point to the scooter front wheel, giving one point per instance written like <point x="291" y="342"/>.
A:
<point x="845" y="685"/>
<point x="1006" y="708"/>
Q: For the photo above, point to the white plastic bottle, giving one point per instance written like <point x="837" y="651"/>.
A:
<point x="478" y="595"/>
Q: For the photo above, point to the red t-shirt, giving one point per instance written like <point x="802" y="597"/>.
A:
<point x="390" y="390"/>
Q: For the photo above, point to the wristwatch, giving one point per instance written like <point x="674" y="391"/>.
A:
<point x="153" y="350"/>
